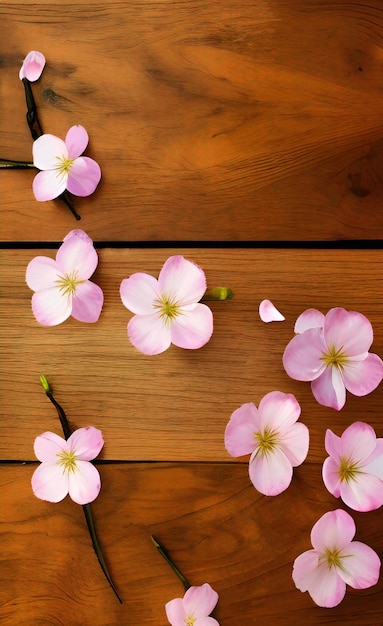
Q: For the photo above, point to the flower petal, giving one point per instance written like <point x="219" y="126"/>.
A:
<point x="362" y="377"/>
<point x="269" y="313"/>
<point x="302" y="356"/>
<point x="333" y="445"/>
<point x="76" y="141"/>
<point x="311" y="318"/>
<point x="87" y="302"/>
<point x="278" y="411"/>
<point x="139" y="293"/>
<point x="364" y="493"/>
<point x="206" y="620"/>
<point x="193" y="327"/>
<point x="270" y="473"/>
<point x="42" y="273"/>
<point x="360" y="566"/>
<point x="76" y="254"/>
<point x="324" y="585"/>
<point x="47" y="150"/>
<point x="149" y="334"/>
<point x="48" y="185"/>
<point x="358" y="441"/>
<point x="199" y="601"/>
<point x="295" y="443"/>
<point x="86" y="443"/>
<point x="374" y="464"/>
<point x="331" y="476"/>
<point x="32" y="66"/>
<point x="333" y="531"/>
<point x="240" y="430"/>
<point x="175" y="612"/>
<point x="181" y="280"/>
<point x="47" y="446"/>
<point x="84" y="482"/>
<point x="329" y="389"/>
<point x="348" y="330"/>
<point x="83" y="177"/>
<point x="49" y="482"/>
<point x="50" y="307"/>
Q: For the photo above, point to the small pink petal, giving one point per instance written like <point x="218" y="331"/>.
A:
<point x="311" y="318"/>
<point x="358" y="441"/>
<point x="348" y="330"/>
<point x="295" y="443"/>
<point x="41" y="273"/>
<point x="269" y="313"/>
<point x="374" y="464"/>
<point x="149" y="334"/>
<point x="200" y="601"/>
<point x="84" y="482"/>
<point x="360" y="566"/>
<point x="87" y="302"/>
<point x="83" y="177"/>
<point x="333" y="445"/>
<point x="175" y="612"/>
<point x="365" y="493"/>
<point x="50" y="307"/>
<point x="77" y="254"/>
<point x="182" y="280"/>
<point x="206" y="620"/>
<point x="86" y="443"/>
<point x="76" y="141"/>
<point x="32" y="66"/>
<point x="331" y="476"/>
<point x="139" y="293"/>
<point x="47" y="446"/>
<point x="302" y="358"/>
<point x="278" y="411"/>
<point x="329" y="389"/>
<point x="48" y="185"/>
<point x="334" y="531"/>
<point x="270" y="473"/>
<point x="240" y="430"/>
<point x="362" y="377"/>
<point x="77" y="232"/>
<point x="49" y="482"/>
<point x="47" y="150"/>
<point x="193" y="327"/>
<point x="324" y="585"/>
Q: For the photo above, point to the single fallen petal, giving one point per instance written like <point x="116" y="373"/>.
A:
<point x="269" y="313"/>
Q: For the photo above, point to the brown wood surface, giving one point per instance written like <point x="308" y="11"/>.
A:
<point x="211" y="119"/>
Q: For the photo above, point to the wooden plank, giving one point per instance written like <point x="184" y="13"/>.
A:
<point x="245" y="120"/>
<point x="175" y="406"/>
<point x="214" y="525"/>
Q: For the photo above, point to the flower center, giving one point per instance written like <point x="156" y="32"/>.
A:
<point x="332" y="558"/>
<point x="63" y="165"/>
<point x="169" y="309"/>
<point x="189" y="621"/>
<point x="67" y="460"/>
<point x="347" y="470"/>
<point x="267" y="440"/>
<point x="68" y="283"/>
<point x="334" y="357"/>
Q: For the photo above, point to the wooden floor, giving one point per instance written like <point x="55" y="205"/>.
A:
<point x="246" y="135"/>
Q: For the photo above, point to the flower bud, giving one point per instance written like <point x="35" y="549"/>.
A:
<point x="32" y="66"/>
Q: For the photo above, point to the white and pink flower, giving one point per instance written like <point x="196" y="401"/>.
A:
<point x="65" y="466"/>
<point x="354" y="469"/>
<point x="332" y="351"/>
<point x="62" y="287"/>
<point x="335" y="561"/>
<point x="194" y="608"/>
<point x="167" y="311"/>
<point x="63" y="167"/>
<point x="32" y="66"/>
<point x="271" y="434"/>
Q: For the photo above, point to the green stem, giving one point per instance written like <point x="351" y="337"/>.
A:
<point x="167" y="558"/>
<point x="217" y="293"/>
<point x="86" y="507"/>
<point x="7" y="164"/>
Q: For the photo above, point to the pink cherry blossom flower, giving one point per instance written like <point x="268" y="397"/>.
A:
<point x="65" y="466"/>
<point x="62" y="287"/>
<point x="354" y="469"/>
<point x="32" y="66"/>
<point x="335" y="561"/>
<point x="168" y="310"/>
<point x="273" y="438"/>
<point x="269" y="313"/>
<point x="63" y="167"/>
<point x="194" y="608"/>
<point x="333" y="353"/>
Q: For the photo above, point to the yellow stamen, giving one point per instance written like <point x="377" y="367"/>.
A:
<point x="67" y="460"/>
<point x="189" y="621"/>
<point x="63" y="166"/>
<point x="267" y="440"/>
<point x="348" y="470"/>
<point x="169" y="309"/>
<point x="68" y="283"/>
<point x="335" y="357"/>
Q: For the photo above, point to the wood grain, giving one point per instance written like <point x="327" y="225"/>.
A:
<point x="245" y="120"/>
<point x="175" y="406"/>
<point x="214" y="525"/>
